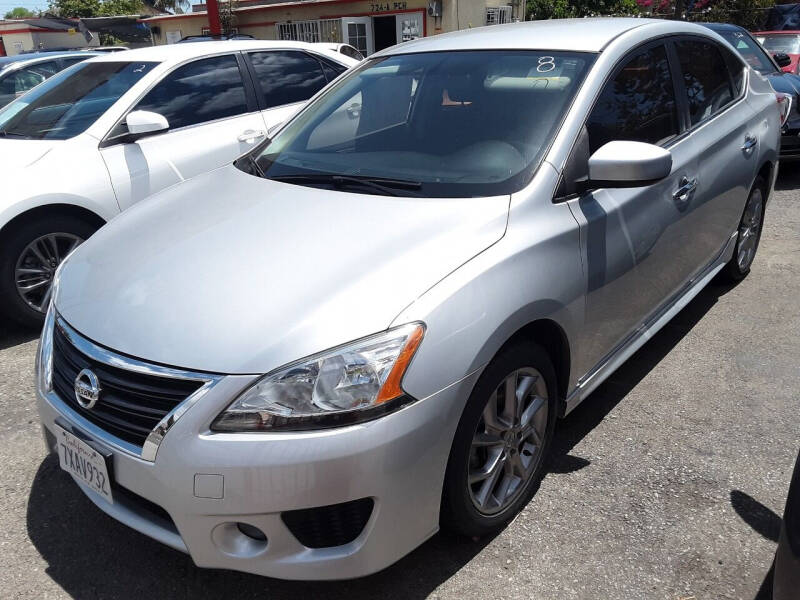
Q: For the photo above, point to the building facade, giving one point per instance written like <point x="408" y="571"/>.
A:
<point x="17" y="37"/>
<point x="369" y="25"/>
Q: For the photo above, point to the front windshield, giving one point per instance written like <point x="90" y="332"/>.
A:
<point x="438" y="124"/>
<point x="780" y="42"/>
<point x="69" y="102"/>
<point x="751" y="52"/>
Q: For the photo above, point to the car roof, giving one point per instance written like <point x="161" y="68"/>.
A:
<point x="723" y="27"/>
<point x="37" y="56"/>
<point x="576" y="35"/>
<point x="176" y="53"/>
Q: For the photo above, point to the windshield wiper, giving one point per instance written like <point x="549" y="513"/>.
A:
<point x="386" y="186"/>
<point x="13" y="134"/>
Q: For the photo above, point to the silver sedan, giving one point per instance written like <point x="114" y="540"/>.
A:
<point x="305" y="363"/>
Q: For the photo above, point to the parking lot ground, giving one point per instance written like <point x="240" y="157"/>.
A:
<point x="668" y="482"/>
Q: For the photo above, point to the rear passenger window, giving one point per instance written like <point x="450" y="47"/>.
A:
<point x="735" y="68"/>
<point x="201" y="91"/>
<point x="638" y="104"/>
<point x="287" y="76"/>
<point x="705" y="76"/>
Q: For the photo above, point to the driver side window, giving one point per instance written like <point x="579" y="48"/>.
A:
<point x="198" y="92"/>
<point x="638" y="104"/>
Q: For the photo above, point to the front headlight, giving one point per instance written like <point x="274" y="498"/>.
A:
<point x="44" y="355"/>
<point x="348" y="384"/>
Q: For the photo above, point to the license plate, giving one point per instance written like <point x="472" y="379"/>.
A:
<point x="85" y="463"/>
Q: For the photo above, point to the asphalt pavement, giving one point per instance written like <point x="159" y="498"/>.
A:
<point x="666" y="483"/>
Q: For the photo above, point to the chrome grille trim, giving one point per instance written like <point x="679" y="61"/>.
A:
<point x="98" y="353"/>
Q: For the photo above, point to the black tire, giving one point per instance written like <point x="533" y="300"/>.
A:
<point x="732" y="272"/>
<point x="459" y="513"/>
<point x="12" y="304"/>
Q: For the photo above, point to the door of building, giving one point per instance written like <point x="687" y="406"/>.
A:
<point x="385" y="29"/>
<point x="357" y="31"/>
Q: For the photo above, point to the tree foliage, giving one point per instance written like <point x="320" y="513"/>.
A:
<point x="19" y="13"/>
<point x="750" y="14"/>
<point x="562" y="9"/>
<point x="95" y="8"/>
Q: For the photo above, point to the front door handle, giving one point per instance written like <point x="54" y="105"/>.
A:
<point x="750" y="142"/>
<point x="684" y="193"/>
<point x="249" y="136"/>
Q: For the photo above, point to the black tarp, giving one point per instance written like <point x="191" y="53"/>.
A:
<point x="783" y="16"/>
<point x="125" y="28"/>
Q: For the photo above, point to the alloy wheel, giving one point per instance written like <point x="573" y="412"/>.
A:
<point x="750" y="230"/>
<point x="37" y="264"/>
<point x="507" y="445"/>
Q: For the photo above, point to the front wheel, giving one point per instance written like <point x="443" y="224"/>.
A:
<point x="501" y="443"/>
<point x="749" y="233"/>
<point x="29" y="258"/>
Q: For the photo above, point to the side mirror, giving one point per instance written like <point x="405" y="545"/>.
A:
<point x="628" y="164"/>
<point x="143" y="122"/>
<point x="783" y="59"/>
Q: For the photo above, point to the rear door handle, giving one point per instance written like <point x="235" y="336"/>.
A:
<point x="750" y="142"/>
<point x="684" y="193"/>
<point x="249" y="136"/>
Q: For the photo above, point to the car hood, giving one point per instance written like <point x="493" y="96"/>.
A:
<point x="19" y="153"/>
<point x="230" y="273"/>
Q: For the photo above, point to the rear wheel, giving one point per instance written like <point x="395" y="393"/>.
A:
<point x="501" y="443"/>
<point x="29" y="258"/>
<point x="749" y="233"/>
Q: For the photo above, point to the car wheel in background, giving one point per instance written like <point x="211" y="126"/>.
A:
<point x="501" y="443"/>
<point x="29" y="257"/>
<point x="749" y="234"/>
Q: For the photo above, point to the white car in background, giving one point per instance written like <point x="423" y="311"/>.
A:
<point x="345" y="49"/>
<point x="108" y="132"/>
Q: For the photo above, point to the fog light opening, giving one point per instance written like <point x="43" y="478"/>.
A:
<point x="239" y="540"/>
<point x="252" y="532"/>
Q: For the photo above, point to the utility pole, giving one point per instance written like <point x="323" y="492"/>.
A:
<point x="212" y="8"/>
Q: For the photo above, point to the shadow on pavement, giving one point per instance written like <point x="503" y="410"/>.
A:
<point x="788" y="176"/>
<point x="91" y="555"/>
<point x="13" y="335"/>
<point x="602" y="401"/>
<point x="763" y="520"/>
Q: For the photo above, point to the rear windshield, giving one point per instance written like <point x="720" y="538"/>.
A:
<point x="448" y="124"/>
<point x="780" y="42"/>
<point x="748" y="48"/>
<point x="69" y="102"/>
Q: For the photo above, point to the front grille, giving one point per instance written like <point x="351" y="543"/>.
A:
<point x="131" y="404"/>
<point x="328" y="526"/>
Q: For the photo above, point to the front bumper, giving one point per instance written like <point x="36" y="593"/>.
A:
<point x="398" y="461"/>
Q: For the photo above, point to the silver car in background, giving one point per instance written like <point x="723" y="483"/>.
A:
<point x="303" y="364"/>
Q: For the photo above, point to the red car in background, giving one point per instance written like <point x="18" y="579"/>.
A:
<point x="782" y="42"/>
